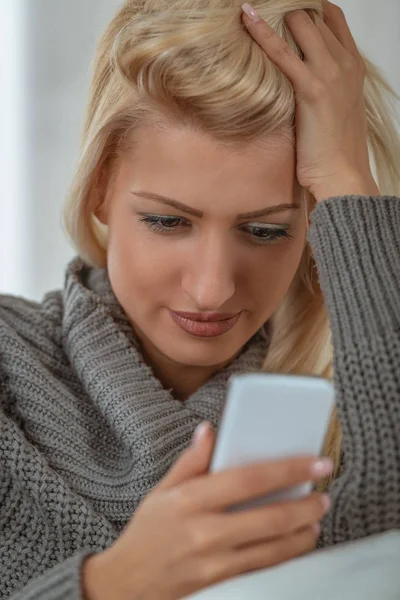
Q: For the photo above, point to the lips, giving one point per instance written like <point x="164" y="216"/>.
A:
<point x="205" y="325"/>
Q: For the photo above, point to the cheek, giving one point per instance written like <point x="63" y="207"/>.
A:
<point x="272" y="276"/>
<point x="141" y="271"/>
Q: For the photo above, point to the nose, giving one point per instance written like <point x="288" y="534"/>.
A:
<point x="209" y="275"/>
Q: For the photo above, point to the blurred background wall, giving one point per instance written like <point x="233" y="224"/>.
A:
<point x="46" y="48"/>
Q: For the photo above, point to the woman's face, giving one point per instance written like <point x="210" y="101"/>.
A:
<point x="225" y="246"/>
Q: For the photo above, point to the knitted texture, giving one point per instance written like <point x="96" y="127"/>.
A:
<point x="86" y="430"/>
<point x="356" y="246"/>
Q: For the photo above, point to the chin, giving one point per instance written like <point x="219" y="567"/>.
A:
<point x="203" y="352"/>
<point x="183" y="348"/>
<point x="201" y="358"/>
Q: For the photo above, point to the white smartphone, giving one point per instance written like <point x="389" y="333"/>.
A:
<point x="269" y="417"/>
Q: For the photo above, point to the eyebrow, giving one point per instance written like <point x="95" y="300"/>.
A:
<point x="198" y="213"/>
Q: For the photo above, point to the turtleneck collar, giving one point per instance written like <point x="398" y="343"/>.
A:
<point x="105" y="355"/>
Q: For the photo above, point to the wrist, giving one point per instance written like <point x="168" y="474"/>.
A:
<point x="90" y="580"/>
<point x="97" y="580"/>
<point x="346" y="185"/>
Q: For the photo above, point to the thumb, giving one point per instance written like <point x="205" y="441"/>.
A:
<point x="195" y="460"/>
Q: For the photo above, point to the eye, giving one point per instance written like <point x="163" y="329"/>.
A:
<point x="262" y="234"/>
<point x="163" y="223"/>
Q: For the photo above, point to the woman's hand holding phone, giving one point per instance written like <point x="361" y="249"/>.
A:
<point x="182" y="538"/>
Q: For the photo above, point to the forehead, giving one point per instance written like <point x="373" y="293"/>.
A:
<point x="191" y="167"/>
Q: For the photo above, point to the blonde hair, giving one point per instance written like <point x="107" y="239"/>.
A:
<point x="193" y="62"/>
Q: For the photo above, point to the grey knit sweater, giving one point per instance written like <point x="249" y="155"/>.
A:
<point x="86" y="430"/>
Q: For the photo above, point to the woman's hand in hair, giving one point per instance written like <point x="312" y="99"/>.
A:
<point x="331" y="120"/>
<point x="182" y="538"/>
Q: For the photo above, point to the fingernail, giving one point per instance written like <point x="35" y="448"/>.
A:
<point x="250" y="12"/>
<point x="326" y="502"/>
<point x="200" y="431"/>
<point x="322" y="467"/>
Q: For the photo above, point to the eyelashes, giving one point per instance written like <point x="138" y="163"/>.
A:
<point x="267" y="234"/>
<point x="161" y="224"/>
<point x="261" y="234"/>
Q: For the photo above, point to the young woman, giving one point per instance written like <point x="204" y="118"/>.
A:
<point x="211" y="139"/>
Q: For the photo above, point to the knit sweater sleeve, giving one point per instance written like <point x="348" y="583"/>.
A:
<point x="22" y="553"/>
<point x="356" y="245"/>
<point x="61" y="582"/>
<point x="32" y="565"/>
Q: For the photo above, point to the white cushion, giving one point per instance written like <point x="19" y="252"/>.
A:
<point x="367" y="569"/>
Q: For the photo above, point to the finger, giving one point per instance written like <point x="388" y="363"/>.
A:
<point x="309" y="38"/>
<point x="279" y="51"/>
<point x="259" y="556"/>
<point x="221" y="490"/>
<point x="194" y="461"/>
<point x="269" y="522"/>
<point x="337" y="23"/>
<point x="336" y="49"/>
<point x="268" y="554"/>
